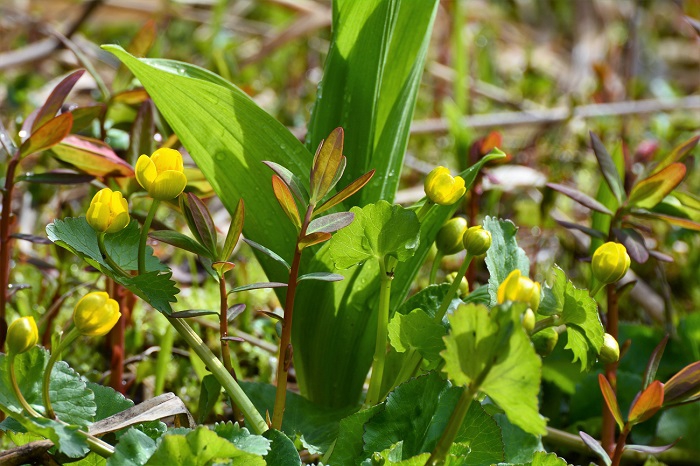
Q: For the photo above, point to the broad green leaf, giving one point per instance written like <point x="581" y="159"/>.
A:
<point x="379" y="230"/>
<point x="347" y="450"/>
<point x="418" y="331"/>
<point x="133" y="449"/>
<point x="650" y="191"/>
<point x="318" y="425"/>
<point x="513" y="381"/>
<point x="369" y="88"/>
<point x="199" y="448"/>
<point x="155" y="287"/>
<point x="48" y="135"/>
<point x="65" y="437"/>
<point x="72" y="401"/>
<point x="580" y="314"/>
<point x="519" y="445"/>
<point x="504" y="255"/>
<point x="676" y="423"/>
<point x="417" y="412"/>
<point x="242" y="438"/>
<point x="283" y="452"/>
<point x="542" y="458"/>
<point x="198" y="104"/>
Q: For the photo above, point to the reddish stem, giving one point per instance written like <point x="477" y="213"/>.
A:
<point x="5" y="243"/>
<point x="116" y="338"/>
<point x="620" y="447"/>
<point x="608" y="430"/>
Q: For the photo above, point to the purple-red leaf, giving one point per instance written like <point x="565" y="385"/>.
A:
<point x="192" y="313"/>
<point x="677" y="221"/>
<point x="48" y="135"/>
<point x="596" y="447"/>
<point x="56" y="177"/>
<point x="634" y="243"/>
<point x="647" y="403"/>
<point x="91" y="156"/>
<point x="650" y="191"/>
<point x="331" y="222"/>
<point x="199" y="220"/>
<point x="653" y="364"/>
<point x="652" y="450"/>
<point x="141" y="140"/>
<point x="584" y="229"/>
<point x="292" y="181"/>
<point x="326" y="164"/>
<point x="32" y="238"/>
<point x="313" y="238"/>
<point x="610" y="399"/>
<point x="286" y="200"/>
<point x="583" y="199"/>
<point x="346" y="192"/>
<point x="684" y="386"/>
<point x="608" y="168"/>
<point x="55" y="100"/>
<point x="234" y="311"/>
<point x="234" y="231"/>
<point x="258" y="286"/>
<point x="677" y="154"/>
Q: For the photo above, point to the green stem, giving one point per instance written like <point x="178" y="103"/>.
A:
<point x="164" y="356"/>
<point x="223" y="333"/>
<point x="375" y="382"/>
<point x="255" y="420"/>
<point x="15" y="387"/>
<point x="551" y="321"/>
<point x="284" y="359"/>
<point x="144" y="235"/>
<point x="413" y="357"/>
<point x="70" y="338"/>
<point x="97" y="446"/>
<point x="437" y="457"/>
<point x="435" y="267"/>
<point x="107" y="257"/>
<point x="425" y="208"/>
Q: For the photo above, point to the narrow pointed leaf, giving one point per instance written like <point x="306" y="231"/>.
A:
<point x="654" y="361"/>
<point x="55" y="100"/>
<point x="234" y="311"/>
<point x="331" y="222"/>
<point x="689" y="200"/>
<point x="257" y="286"/>
<point x="596" y="447"/>
<point x="683" y="386"/>
<point x="231" y="338"/>
<point x="610" y="399"/>
<point x="286" y="200"/>
<point x="313" y="238"/>
<point x="91" y="156"/>
<point x="677" y="154"/>
<point x="83" y="116"/>
<point x="607" y="168"/>
<point x="222" y="267"/>
<point x="634" y="243"/>
<point x="652" y="450"/>
<point x="48" y="135"/>
<point x="193" y="313"/>
<point x="650" y="191"/>
<point x="584" y="229"/>
<point x="291" y="180"/>
<point x="268" y="252"/>
<point x="346" y="192"/>
<point x="583" y="199"/>
<point x="660" y="256"/>
<point x="139" y="46"/>
<point x="272" y="315"/>
<point x="676" y="221"/>
<point x="234" y="231"/>
<point x="647" y="403"/>
<point x="322" y="276"/>
<point x="199" y="220"/>
<point x="141" y="141"/>
<point x="32" y="238"/>
<point x="325" y="165"/>
<point x="339" y="173"/>
<point x="181" y="241"/>
<point x="56" y="177"/>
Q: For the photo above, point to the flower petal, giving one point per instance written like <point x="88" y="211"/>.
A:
<point x="168" y="185"/>
<point x="145" y="172"/>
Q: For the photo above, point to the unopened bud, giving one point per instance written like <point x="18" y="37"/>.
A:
<point x="449" y="239"/>
<point x="477" y="240"/>
<point x="610" y="351"/>
<point x="610" y="262"/>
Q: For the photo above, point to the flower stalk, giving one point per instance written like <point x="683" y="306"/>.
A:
<point x="55" y="355"/>
<point x="144" y="235"/>
<point x="15" y="388"/>
<point x="379" y="358"/>
<point x="107" y="258"/>
<point x="223" y="333"/>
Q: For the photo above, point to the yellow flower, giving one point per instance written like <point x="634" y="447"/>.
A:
<point x="22" y="335"/>
<point x="95" y="314"/>
<point x="449" y="239"/>
<point x="477" y="240"/>
<point x="162" y="174"/>
<point x="442" y="188"/>
<point x="610" y="262"/>
<point x="518" y="288"/>
<point x="108" y="211"/>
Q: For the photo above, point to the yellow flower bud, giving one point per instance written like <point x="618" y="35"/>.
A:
<point x="108" y="211"/>
<point x="442" y="188"/>
<point x="463" y="284"/>
<point x="22" y="335"/>
<point x="610" y="351"/>
<point x="518" y="288"/>
<point x="449" y="239"/>
<point x="545" y="340"/>
<point x="610" y="262"/>
<point x="477" y="240"/>
<point x="95" y="314"/>
<point x="529" y="320"/>
<point x="162" y="174"/>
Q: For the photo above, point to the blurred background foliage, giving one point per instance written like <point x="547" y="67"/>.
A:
<point x="536" y="75"/>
